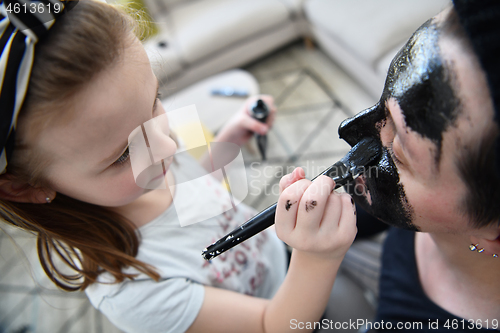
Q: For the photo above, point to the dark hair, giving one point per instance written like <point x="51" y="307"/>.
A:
<point x="478" y="170"/>
<point x="476" y="162"/>
<point x="88" y="238"/>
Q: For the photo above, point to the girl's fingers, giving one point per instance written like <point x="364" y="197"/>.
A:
<point x="253" y="125"/>
<point x="287" y="180"/>
<point x="347" y="223"/>
<point x="270" y="120"/>
<point x="269" y="101"/>
<point x="331" y="217"/>
<point x="287" y="206"/>
<point x="312" y="203"/>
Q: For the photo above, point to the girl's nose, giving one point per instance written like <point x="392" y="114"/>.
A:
<point x="353" y="129"/>
<point x="156" y="132"/>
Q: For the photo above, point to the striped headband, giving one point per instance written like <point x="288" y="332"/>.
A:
<point x="22" y="24"/>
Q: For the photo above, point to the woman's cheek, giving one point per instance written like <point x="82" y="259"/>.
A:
<point x="432" y="209"/>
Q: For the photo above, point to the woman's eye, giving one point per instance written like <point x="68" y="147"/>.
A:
<point x="393" y="155"/>
<point x="122" y="159"/>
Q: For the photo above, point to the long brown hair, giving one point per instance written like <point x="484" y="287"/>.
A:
<point x="88" y="238"/>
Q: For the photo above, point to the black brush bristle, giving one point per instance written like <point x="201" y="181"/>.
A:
<point x="364" y="153"/>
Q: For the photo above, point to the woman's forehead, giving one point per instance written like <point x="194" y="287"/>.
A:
<point x="420" y="82"/>
<point x="436" y="81"/>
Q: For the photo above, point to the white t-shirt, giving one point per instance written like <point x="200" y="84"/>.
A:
<point x="256" y="267"/>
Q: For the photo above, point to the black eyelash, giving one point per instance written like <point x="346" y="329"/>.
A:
<point x="393" y="156"/>
<point x="156" y="101"/>
<point x="122" y="159"/>
<point x="126" y="154"/>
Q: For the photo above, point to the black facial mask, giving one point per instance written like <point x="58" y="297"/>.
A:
<point x="387" y="200"/>
<point x="420" y="83"/>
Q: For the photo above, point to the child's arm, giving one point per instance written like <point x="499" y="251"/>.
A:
<point x="320" y="225"/>
<point x="238" y="130"/>
<point x="242" y="126"/>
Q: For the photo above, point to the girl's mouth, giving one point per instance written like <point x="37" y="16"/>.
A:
<point x="158" y="177"/>
<point x="165" y="165"/>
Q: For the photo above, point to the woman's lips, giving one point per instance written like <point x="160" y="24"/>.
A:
<point x="361" y="189"/>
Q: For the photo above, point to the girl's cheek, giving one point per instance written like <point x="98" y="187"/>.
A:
<point x="125" y="181"/>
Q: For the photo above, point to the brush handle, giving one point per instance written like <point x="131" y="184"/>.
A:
<point x="260" y="111"/>
<point x="263" y="220"/>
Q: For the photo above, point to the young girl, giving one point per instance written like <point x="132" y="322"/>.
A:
<point x="66" y="175"/>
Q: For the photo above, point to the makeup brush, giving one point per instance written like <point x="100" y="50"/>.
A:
<point x="353" y="164"/>
<point x="260" y="111"/>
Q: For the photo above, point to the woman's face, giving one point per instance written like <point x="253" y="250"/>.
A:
<point x="88" y="150"/>
<point x="435" y="105"/>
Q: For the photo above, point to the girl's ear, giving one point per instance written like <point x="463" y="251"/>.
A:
<point x="12" y="190"/>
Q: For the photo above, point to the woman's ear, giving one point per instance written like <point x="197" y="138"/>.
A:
<point x="14" y="190"/>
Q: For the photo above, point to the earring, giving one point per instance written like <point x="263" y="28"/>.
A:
<point x="481" y="250"/>
<point x="49" y="200"/>
<point x="495" y="255"/>
<point x="473" y="247"/>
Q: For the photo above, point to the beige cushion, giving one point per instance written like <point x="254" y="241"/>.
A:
<point x="163" y="52"/>
<point x="172" y="3"/>
<point x="205" y="27"/>
<point x="294" y="6"/>
<point x="370" y="36"/>
<point x="214" y="111"/>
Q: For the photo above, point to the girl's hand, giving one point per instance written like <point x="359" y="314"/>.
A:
<point x="313" y="219"/>
<point x="241" y="127"/>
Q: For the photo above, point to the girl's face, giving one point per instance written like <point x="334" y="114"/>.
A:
<point x="435" y="106"/>
<point x="90" y="155"/>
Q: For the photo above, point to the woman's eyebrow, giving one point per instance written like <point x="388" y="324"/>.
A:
<point x="400" y="130"/>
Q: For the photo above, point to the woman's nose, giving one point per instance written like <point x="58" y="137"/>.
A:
<point x="363" y="124"/>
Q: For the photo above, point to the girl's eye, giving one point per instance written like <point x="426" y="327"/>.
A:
<point x="125" y="156"/>
<point x="393" y="156"/>
<point x="122" y="159"/>
<point x="155" y="106"/>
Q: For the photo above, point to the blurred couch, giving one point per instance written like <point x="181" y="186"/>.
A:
<point x="199" y="38"/>
<point x="363" y="36"/>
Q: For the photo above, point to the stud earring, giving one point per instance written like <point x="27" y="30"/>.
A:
<point x="49" y="200"/>
<point x="473" y="247"/>
<point x="481" y="250"/>
<point x="495" y="255"/>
